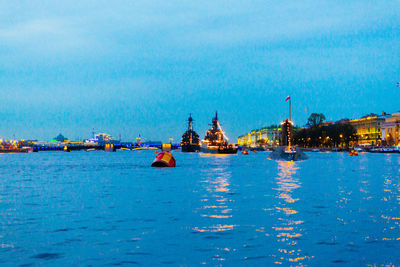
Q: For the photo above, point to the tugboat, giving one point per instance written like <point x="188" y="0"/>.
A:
<point x="190" y="139"/>
<point x="215" y="141"/>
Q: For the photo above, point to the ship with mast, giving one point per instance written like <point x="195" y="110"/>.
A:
<point x="215" y="140"/>
<point x="286" y="151"/>
<point x="190" y="139"/>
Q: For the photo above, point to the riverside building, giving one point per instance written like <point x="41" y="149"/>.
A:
<point x="390" y="129"/>
<point x="268" y="136"/>
<point x="369" y="128"/>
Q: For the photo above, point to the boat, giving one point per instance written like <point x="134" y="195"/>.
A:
<point x="14" y="147"/>
<point x="285" y="151"/>
<point x="215" y="141"/>
<point x="287" y="154"/>
<point x="385" y="150"/>
<point x="190" y="139"/>
<point x="389" y="150"/>
<point x="359" y="149"/>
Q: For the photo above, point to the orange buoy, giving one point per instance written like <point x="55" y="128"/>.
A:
<point x="353" y="153"/>
<point x="164" y="159"/>
<point x="245" y="152"/>
<point x="254" y="151"/>
<point x="155" y="152"/>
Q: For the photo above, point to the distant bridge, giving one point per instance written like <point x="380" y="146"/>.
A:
<point x="58" y="146"/>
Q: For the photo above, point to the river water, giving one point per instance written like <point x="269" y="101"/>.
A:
<point x="97" y="208"/>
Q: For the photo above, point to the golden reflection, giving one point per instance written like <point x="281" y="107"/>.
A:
<point x="214" y="228"/>
<point x="217" y="184"/>
<point x="210" y="155"/>
<point x="216" y="201"/>
<point x="391" y="221"/>
<point x="216" y="216"/>
<point x="288" y="227"/>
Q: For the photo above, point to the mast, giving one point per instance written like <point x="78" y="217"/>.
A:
<point x="190" y="128"/>
<point x="190" y="122"/>
<point x="290" y="133"/>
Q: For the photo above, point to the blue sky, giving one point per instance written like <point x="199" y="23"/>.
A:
<point x="130" y="67"/>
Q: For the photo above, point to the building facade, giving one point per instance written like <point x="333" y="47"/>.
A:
<point x="268" y="136"/>
<point x="390" y="129"/>
<point x="369" y="129"/>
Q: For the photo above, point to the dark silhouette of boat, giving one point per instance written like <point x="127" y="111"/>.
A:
<point x="215" y="141"/>
<point x="190" y="139"/>
<point x="285" y="151"/>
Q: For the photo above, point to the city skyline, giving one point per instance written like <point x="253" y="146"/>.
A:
<point x="117" y="136"/>
<point x="142" y="67"/>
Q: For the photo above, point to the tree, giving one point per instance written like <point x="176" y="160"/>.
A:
<point x="331" y="136"/>
<point x="315" y="120"/>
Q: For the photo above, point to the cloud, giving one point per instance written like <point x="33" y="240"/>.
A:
<point x="43" y="34"/>
<point x="291" y="21"/>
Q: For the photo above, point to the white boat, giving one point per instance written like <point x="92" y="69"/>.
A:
<point x="358" y="149"/>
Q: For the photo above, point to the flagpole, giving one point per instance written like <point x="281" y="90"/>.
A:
<point x="290" y="109"/>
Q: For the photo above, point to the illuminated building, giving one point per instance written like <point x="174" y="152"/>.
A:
<point x="390" y="129"/>
<point x="369" y="128"/>
<point x="102" y="138"/>
<point x="264" y="136"/>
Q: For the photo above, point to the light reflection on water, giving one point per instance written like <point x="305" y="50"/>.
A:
<point x="288" y="227"/>
<point x="391" y="189"/>
<point x="216" y="203"/>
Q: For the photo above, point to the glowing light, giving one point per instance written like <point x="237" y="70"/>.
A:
<point x="216" y="228"/>
<point x="222" y="131"/>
